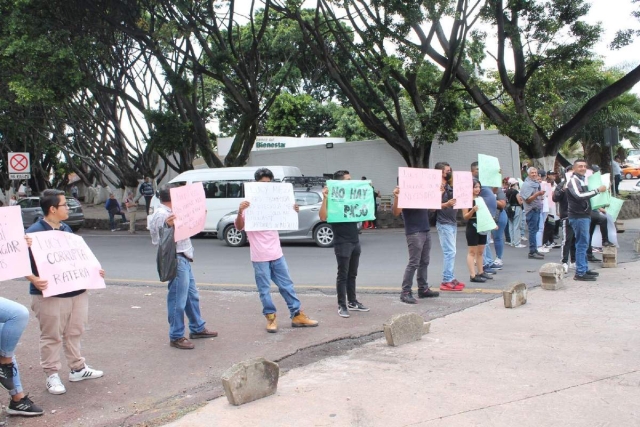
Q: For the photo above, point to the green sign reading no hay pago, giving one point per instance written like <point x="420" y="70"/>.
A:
<point x="350" y="201"/>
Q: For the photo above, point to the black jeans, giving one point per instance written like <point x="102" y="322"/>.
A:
<point x="616" y="184"/>
<point x="348" y="257"/>
<point x="568" y="242"/>
<point x="147" y="200"/>
<point x="598" y="219"/>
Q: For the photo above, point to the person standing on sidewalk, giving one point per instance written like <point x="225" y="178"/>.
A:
<point x="491" y="200"/>
<point x="447" y="226"/>
<point x="416" y="228"/>
<point x="62" y="317"/>
<point x="146" y="191"/>
<point x="269" y="265"/>
<point x="182" y="296"/>
<point x="617" y="174"/>
<point x="580" y="217"/>
<point x="568" y="245"/>
<point x="532" y="195"/>
<point x="346" y="245"/>
<point x="475" y="240"/>
<point x="514" y="213"/>
<point x="132" y="209"/>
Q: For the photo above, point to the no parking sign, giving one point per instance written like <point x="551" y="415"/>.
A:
<point x="19" y="166"/>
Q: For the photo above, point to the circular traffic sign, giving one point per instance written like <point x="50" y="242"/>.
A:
<point x="19" y="162"/>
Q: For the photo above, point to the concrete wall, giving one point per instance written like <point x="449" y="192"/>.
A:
<point x="379" y="162"/>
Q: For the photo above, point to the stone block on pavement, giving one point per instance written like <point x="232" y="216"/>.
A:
<point x="636" y="244"/>
<point x="619" y="226"/>
<point x="552" y="276"/>
<point x="515" y="296"/>
<point x="426" y="328"/>
<point x="250" y="380"/>
<point x="403" y="328"/>
<point x="609" y="257"/>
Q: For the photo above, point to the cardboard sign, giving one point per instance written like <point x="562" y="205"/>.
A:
<point x="271" y="206"/>
<point x="419" y="188"/>
<point x="485" y="221"/>
<point x="600" y="200"/>
<point x="615" y="205"/>
<point x="14" y="253"/>
<point x="463" y="189"/>
<point x="350" y="201"/>
<point x="66" y="261"/>
<point x="188" y="204"/>
<point x="489" y="171"/>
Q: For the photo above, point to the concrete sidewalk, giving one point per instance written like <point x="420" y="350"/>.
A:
<point x="566" y="358"/>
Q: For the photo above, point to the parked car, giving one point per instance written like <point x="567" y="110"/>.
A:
<point x="32" y="212"/>
<point x="629" y="172"/>
<point x="309" y="225"/>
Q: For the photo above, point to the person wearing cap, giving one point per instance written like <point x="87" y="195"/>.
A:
<point x="514" y="212"/>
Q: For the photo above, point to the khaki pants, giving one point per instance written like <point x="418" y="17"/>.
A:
<point x="132" y="221"/>
<point x="62" y="322"/>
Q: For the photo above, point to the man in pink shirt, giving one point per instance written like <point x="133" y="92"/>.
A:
<point x="269" y="264"/>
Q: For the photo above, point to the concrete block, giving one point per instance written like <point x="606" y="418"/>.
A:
<point x="404" y="328"/>
<point x="636" y="244"/>
<point x="552" y="276"/>
<point x="426" y="328"/>
<point x="620" y="226"/>
<point x="250" y="380"/>
<point x="609" y="257"/>
<point x="515" y="295"/>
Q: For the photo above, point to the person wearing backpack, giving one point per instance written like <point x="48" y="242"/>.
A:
<point x="514" y="213"/>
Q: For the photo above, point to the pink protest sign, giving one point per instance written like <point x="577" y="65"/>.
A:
<point x="66" y="262"/>
<point x="419" y="188"/>
<point x="14" y="253"/>
<point x="463" y="189"/>
<point x="189" y="205"/>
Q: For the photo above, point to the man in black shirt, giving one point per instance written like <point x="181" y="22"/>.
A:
<point x="346" y="244"/>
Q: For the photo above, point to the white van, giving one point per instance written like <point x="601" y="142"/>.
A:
<point x="223" y="187"/>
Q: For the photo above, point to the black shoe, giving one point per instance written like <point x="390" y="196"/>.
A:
<point x="24" y="407"/>
<point x="343" y="312"/>
<point x="428" y="293"/>
<point x="485" y="275"/>
<point x="356" y="306"/>
<point x="584" y="278"/>
<point x="608" y="245"/>
<point x="592" y="273"/>
<point x="536" y="255"/>
<point x="591" y="258"/>
<point x="408" y="298"/>
<point x="477" y="279"/>
<point x="7" y="372"/>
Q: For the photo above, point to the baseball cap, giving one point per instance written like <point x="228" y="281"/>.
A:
<point x="552" y="172"/>
<point x="541" y="172"/>
<point x="512" y="181"/>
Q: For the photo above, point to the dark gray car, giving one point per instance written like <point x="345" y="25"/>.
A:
<point x="31" y="212"/>
<point x="309" y="225"/>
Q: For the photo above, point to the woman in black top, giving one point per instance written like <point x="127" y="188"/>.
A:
<point x="475" y="241"/>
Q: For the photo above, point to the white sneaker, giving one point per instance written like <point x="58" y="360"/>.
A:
<point x="85" y="373"/>
<point x="521" y="246"/>
<point x="54" y="385"/>
<point x="572" y="265"/>
<point x="543" y="250"/>
<point x="565" y="267"/>
<point x="498" y="262"/>
<point x="524" y="238"/>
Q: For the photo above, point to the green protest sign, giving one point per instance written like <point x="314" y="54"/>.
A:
<point x="602" y="199"/>
<point x="615" y="205"/>
<point x="484" y="221"/>
<point x="489" y="171"/>
<point x="350" y="201"/>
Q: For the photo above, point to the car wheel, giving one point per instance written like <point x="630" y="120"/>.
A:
<point x="323" y="235"/>
<point x="76" y="228"/>
<point x="628" y="176"/>
<point x="233" y="237"/>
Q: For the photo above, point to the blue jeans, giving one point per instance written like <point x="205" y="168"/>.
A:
<point x="13" y="321"/>
<point x="183" y="298"/>
<point x="498" y="241"/>
<point x="447" y="234"/>
<point x="278" y="271"/>
<point x="533" y="223"/>
<point x="112" y="220"/>
<point x="581" y="230"/>
<point x="514" y="227"/>
<point x="543" y="219"/>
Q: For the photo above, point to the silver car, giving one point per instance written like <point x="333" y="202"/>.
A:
<point x="32" y="212"/>
<point x="310" y="227"/>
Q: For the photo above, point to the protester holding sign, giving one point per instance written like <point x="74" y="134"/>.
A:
<point x="475" y="240"/>
<point x="346" y="241"/>
<point x="268" y="260"/>
<point x="580" y="217"/>
<point x="61" y="317"/>
<point x="182" y="296"/>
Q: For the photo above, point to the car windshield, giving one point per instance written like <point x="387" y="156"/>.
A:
<point x="72" y="203"/>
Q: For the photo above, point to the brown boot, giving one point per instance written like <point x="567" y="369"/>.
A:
<point x="272" y="326"/>
<point x="182" y="343"/>
<point x="205" y="333"/>
<point x="301" y="321"/>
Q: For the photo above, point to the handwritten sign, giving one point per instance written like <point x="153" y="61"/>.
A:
<point x="66" y="261"/>
<point x="14" y="254"/>
<point x="271" y="206"/>
<point x="463" y="189"/>
<point x="350" y="201"/>
<point x="419" y="188"/>
<point x="489" y="171"/>
<point x="485" y="221"/>
<point x="189" y="205"/>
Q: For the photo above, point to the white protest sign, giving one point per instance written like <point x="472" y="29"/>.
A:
<point x="271" y="206"/>
<point x="66" y="261"/>
<point x="14" y="253"/>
